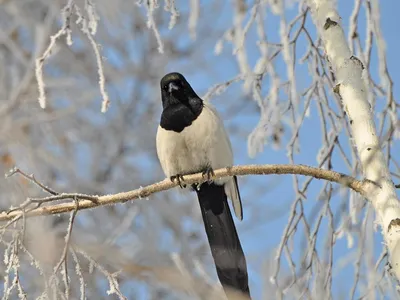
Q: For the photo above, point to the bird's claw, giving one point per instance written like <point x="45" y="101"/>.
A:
<point x="208" y="173"/>
<point x="179" y="179"/>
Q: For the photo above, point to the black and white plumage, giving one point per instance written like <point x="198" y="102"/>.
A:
<point x="191" y="138"/>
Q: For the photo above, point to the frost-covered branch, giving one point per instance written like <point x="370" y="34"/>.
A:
<point x="64" y="30"/>
<point x="88" y="26"/>
<point x="90" y="201"/>
<point x="349" y="72"/>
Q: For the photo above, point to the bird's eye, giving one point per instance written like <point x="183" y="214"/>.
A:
<point x="165" y="87"/>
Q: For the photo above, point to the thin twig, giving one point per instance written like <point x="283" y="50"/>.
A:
<point x="68" y="236"/>
<point x="64" y="255"/>
<point x="32" y="178"/>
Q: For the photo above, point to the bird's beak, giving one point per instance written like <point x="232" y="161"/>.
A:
<point x="172" y="86"/>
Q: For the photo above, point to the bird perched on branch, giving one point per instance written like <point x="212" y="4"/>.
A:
<point x="191" y="138"/>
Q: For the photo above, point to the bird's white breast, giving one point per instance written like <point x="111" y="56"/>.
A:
<point x="202" y="144"/>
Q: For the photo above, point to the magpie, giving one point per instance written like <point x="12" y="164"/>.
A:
<point x="191" y="138"/>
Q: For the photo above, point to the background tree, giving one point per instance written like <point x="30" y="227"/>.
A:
<point x="272" y="70"/>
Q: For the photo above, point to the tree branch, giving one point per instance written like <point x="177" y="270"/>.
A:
<point x="90" y="201"/>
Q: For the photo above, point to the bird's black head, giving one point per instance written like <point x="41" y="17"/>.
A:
<point x="181" y="105"/>
<point x="175" y="89"/>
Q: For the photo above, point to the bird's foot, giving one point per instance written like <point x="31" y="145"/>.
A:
<point x="208" y="173"/>
<point x="179" y="179"/>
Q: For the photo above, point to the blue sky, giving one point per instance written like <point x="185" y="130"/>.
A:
<point x="267" y="199"/>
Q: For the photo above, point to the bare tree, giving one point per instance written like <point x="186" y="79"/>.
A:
<point x="80" y="108"/>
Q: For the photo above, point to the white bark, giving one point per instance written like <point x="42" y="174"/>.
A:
<point x="349" y="71"/>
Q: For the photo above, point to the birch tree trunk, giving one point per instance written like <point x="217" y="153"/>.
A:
<point x="349" y="71"/>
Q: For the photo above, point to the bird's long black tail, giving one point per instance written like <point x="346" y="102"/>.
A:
<point x="223" y="239"/>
